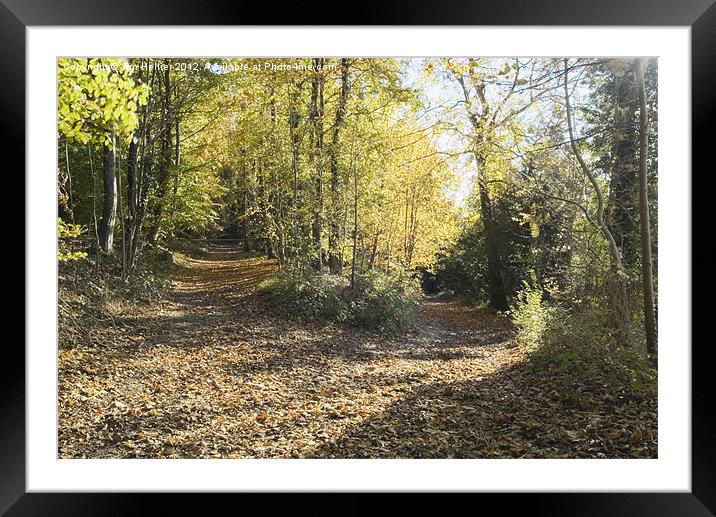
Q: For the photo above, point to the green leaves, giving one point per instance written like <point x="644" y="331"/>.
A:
<point x="67" y="232"/>
<point x="95" y="97"/>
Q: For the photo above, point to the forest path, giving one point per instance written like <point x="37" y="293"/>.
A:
<point x="212" y="373"/>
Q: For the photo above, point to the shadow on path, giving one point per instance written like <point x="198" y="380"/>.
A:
<point x="211" y="372"/>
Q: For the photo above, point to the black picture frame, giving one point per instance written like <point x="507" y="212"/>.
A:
<point x="17" y="15"/>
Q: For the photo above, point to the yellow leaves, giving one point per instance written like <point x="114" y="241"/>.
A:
<point x="458" y="67"/>
<point x="96" y="96"/>
<point x="66" y="233"/>
<point x="407" y="199"/>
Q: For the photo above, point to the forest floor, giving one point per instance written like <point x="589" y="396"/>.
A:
<point x="210" y="372"/>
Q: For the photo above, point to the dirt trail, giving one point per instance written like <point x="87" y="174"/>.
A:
<point x="211" y="373"/>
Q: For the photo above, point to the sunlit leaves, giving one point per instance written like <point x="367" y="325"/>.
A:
<point x="66" y="233"/>
<point x="95" y="97"/>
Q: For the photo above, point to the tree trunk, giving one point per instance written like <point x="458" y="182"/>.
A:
<point x="109" y="202"/>
<point x="498" y="296"/>
<point x="130" y="228"/>
<point x="646" y="273"/>
<point x="355" y="225"/>
<point x="294" y="120"/>
<point x="373" y="251"/>
<point x="71" y="203"/>
<point x="482" y="125"/>
<point x="616" y="280"/>
<point x="165" y="159"/>
<point x="94" y="207"/>
<point x="245" y="221"/>
<point x="316" y="114"/>
<point x="334" y="260"/>
<point x="621" y="206"/>
<point x="137" y="181"/>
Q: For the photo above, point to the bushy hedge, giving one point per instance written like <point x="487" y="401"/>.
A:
<point x="376" y="301"/>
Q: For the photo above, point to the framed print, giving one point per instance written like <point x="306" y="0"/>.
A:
<point x="437" y="250"/>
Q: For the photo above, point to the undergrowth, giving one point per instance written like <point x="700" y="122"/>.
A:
<point x="376" y="301"/>
<point x="574" y="346"/>
<point x="90" y="296"/>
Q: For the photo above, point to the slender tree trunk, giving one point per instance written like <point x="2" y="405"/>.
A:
<point x="498" y="295"/>
<point x="109" y="201"/>
<point x="316" y="114"/>
<point x="165" y="158"/>
<point x="120" y="206"/>
<point x="373" y="251"/>
<point x="130" y="228"/>
<point x="177" y="160"/>
<point x="94" y="207"/>
<point x="334" y="260"/>
<point x="137" y="181"/>
<point x="177" y="141"/>
<point x="646" y="273"/>
<point x="132" y="190"/>
<point x="355" y="225"/>
<point x="616" y="281"/>
<point x="69" y="184"/>
<point x="294" y="119"/>
<point x="621" y="205"/>
<point x="245" y="221"/>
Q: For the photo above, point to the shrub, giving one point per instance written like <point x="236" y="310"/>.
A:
<point x="532" y="317"/>
<point x="381" y="302"/>
<point x="576" y="347"/>
<point x="311" y="296"/>
<point x="377" y="301"/>
<point x="67" y="237"/>
<point x="579" y="362"/>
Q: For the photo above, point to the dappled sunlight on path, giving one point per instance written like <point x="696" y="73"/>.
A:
<point x="222" y="268"/>
<point x="211" y="372"/>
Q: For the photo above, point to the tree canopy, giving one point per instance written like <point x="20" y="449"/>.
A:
<point x="477" y="175"/>
<point x="357" y="257"/>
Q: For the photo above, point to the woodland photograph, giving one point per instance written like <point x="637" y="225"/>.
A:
<point x="351" y="257"/>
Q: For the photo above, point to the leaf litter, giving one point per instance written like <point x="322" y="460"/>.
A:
<point x="211" y="373"/>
